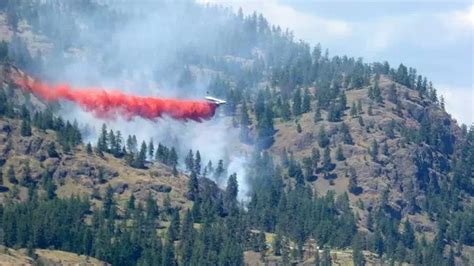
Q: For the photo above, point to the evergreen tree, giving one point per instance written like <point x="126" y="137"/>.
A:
<point x="327" y="163"/>
<point x="340" y="153"/>
<point x="103" y="142"/>
<point x="197" y="163"/>
<point x="111" y="141"/>
<point x="326" y="260"/>
<point x="151" y="149"/>
<point x="152" y="211"/>
<point x="26" y="179"/>
<point x="244" y="123"/>
<point x="173" y="160"/>
<point x="374" y="150"/>
<point x="220" y="170"/>
<point x="354" y="112"/>
<point x="297" y="102"/>
<point x="51" y="149"/>
<point x="353" y="187"/>
<point x="306" y="105"/>
<point x="285" y="111"/>
<point x="265" y="129"/>
<point x="317" y="260"/>
<point x="230" y="195"/>
<point x="189" y="161"/>
<point x="346" y="135"/>
<point x="173" y="229"/>
<point x="140" y="157"/>
<point x="89" y="148"/>
<point x="3" y="51"/>
<point x="323" y="139"/>
<point x="359" y="107"/>
<point x="357" y="255"/>
<point x="392" y="93"/>
<point x="193" y="187"/>
<point x="277" y="245"/>
<point x="317" y="115"/>
<point x="168" y="255"/>
<point x="385" y="149"/>
<point x="11" y="175"/>
<point x="109" y="203"/>
<point x="408" y="236"/>
<point x="25" y="128"/>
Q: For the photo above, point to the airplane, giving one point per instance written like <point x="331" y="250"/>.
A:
<point x="215" y="100"/>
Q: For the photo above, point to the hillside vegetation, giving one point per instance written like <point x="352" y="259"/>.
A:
<point x="355" y="160"/>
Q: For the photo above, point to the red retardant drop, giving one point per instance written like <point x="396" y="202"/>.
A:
<point x="109" y="104"/>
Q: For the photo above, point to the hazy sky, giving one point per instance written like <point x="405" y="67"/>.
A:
<point x="435" y="37"/>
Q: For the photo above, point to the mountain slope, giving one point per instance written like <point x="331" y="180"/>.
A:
<point x="344" y="154"/>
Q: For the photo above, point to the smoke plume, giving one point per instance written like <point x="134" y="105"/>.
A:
<point x="109" y="104"/>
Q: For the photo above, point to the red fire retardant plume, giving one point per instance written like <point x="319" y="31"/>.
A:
<point x="110" y="103"/>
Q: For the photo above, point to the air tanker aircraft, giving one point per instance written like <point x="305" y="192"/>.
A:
<point x="215" y="100"/>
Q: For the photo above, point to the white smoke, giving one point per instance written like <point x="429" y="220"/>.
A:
<point x="136" y="56"/>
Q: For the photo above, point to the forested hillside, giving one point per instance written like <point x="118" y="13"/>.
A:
<point x="348" y="161"/>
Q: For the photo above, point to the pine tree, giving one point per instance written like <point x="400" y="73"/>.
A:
<point x="298" y="128"/>
<point x="111" y="141"/>
<point x="374" y="150"/>
<point x="392" y="93"/>
<point x="197" y="163"/>
<point x="193" y="187"/>
<point x="317" y="115"/>
<point x="359" y="107"/>
<point x="327" y="163"/>
<point x="340" y="153"/>
<point x="277" y="245"/>
<point x="385" y="149"/>
<point x="173" y="161"/>
<point x="109" y="203"/>
<point x="346" y="135"/>
<point x="89" y="148"/>
<point x="151" y="149"/>
<point x="189" y="161"/>
<point x="11" y="175"/>
<point x="315" y="157"/>
<point x="152" y="211"/>
<point x="51" y="149"/>
<point x="26" y="176"/>
<point x="354" y="112"/>
<point x="168" y="255"/>
<point x="103" y="142"/>
<point x="230" y="195"/>
<point x="297" y="102"/>
<point x="376" y="94"/>
<point x="140" y="157"/>
<point x="173" y="229"/>
<point x="306" y="105"/>
<point x="357" y="255"/>
<point x="285" y="111"/>
<point x="220" y="170"/>
<point x="323" y="139"/>
<point x="408" y="236"/>
<point x="244" y="123"/>
<point x="317" y="260"/>
<point x="25" y="130"/>
<point x="353" y="186"/>
<point x="326" y="260"/>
